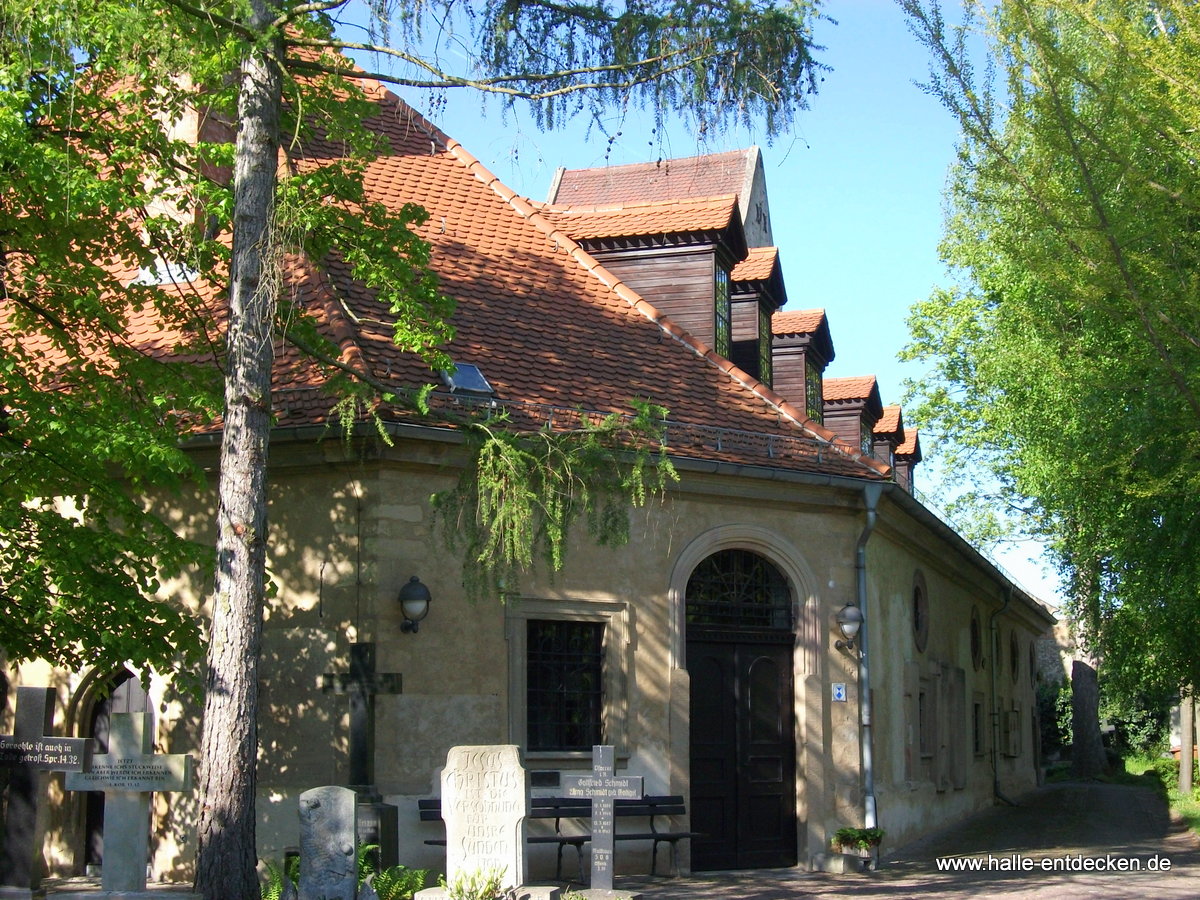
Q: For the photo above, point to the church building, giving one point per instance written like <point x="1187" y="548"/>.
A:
<point x="717" y="650"/>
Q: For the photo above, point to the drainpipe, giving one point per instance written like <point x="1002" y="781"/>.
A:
<point x="871" y="494"/>
<point x="994" y="629"/>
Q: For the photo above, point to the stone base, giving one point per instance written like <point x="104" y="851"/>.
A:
<point x="602" y="894"/>
<point x="7" y="892"/>
<point x="91" y="889"/>
<point x="846" y="863"/>
<point x="525" y="892"/>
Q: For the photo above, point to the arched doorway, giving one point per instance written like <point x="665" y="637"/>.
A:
<point x="740" y="644"/>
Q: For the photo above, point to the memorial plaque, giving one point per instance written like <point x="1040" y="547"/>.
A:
<point x="602" y="786"/>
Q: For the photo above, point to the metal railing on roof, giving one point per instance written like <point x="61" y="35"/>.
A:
<point x="679" y="437"/>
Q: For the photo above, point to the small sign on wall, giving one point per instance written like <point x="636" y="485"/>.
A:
<point x="839" y="692"/>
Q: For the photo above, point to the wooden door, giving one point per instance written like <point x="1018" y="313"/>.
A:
<point x="743" y="754"/>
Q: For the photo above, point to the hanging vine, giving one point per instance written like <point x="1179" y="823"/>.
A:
<point x="522" y="491"/>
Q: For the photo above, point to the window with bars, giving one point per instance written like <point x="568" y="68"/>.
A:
<point x="765" y="371"/>
<point x="564" y="684"/>
<point x="738" y="589"/>
<point x="723" y="312"/>
<point x="813" y="393"/>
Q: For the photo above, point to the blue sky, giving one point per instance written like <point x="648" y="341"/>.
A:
<point x="855" y="190"/>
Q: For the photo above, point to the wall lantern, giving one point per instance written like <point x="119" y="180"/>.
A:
<point x="849" y="620"/>
<point x="414" y="603"/>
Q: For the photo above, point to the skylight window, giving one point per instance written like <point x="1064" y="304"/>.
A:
<point x="165" y="272"/>
<point x="467" y="379"/>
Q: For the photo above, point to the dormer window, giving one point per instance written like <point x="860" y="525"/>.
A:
<point x="765" y="375"/>
<point x="722" y="312"/>
<point x="867" y="441"/>
<point x="815" y="406"/>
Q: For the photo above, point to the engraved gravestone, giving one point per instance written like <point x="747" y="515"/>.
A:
<point x="328" y="856"/>
<point x="602" y="786"/>
<point x="128" y="774"/>
<point x="27" y="753"/>
<point x="485" y="793"/>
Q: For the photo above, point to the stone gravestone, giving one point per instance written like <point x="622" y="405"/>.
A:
<point x="378" y="822"/>
<point x="128" y="774"/>
<point x="1087" y="749"/>
<point x="28" y="752"/>
<point x="485" y="797"/>
<point x="328" y="852"/>
<point x="602" y="786"/>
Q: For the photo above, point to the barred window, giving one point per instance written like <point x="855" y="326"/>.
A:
<point x="723" y="310"/>
<point x="738" y="589"/>
<point x="564" y="684"/>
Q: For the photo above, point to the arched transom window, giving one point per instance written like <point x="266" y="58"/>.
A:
<point x="739" y="589"/>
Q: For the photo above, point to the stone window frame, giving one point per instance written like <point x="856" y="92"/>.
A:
<point x="979" y="725"/>
<point x="617" y="617"/>
<point x="975" y="635"/>
<point x="919" y="611"/>
<point x="1014" y="655"/>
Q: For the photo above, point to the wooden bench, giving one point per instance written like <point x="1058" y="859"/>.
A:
<point x="566" y="808"/>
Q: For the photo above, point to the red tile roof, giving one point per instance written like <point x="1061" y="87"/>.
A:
<point x="890" y="423"/>
<point x="548" y="325"/>
<point x="799" y="321"/>
<point x="691" y="177"/>
<point x="759" y="264"/>
<point x="633" y="219"/>
<point x="911" y="445"/>
<point x="858" y="387"/>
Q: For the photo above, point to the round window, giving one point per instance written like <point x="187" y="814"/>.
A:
<point x="976" y="639"/>
<point x="920" y="613"/>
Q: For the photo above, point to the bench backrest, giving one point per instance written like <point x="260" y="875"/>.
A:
<point x="572" y="808"/>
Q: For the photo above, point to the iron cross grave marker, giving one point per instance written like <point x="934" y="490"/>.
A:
<point x="28" y="751"/>
<point x="602" y="786"/>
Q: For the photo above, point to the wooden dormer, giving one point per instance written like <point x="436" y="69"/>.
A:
<point x="907" y="455"/>
<point x="801" y="348"/>
<point x="678" y="254"/>
<point x="757" y="293"/>
<point x="737" y="172"/>
<point x="852" y="407"/>
<point x="889" y="434"/>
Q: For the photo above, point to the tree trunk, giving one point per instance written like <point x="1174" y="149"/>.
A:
<point x="1187" y="737"/>
<point x="227" y="856"/>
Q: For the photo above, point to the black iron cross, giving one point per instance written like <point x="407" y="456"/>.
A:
<point x="362" y="683"/>
<point x="27" y="751"/>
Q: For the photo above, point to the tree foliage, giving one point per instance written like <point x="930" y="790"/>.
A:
<point x="1066" y="362"/>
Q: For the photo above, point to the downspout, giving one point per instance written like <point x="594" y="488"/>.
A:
<point x="994" y="630"/>
<point x="871" y="494"/>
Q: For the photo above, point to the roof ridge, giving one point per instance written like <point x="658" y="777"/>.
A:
<point x="617" y="206"/>
<point x="532" y="213"/>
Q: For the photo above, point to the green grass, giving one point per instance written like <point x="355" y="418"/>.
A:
<point x="1164" y="773"/>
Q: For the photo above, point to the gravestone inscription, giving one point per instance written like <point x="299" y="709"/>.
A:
<point x="127" y="774"/>
<point x="28" y="752"/>
<point x="485" y="793"/>
<point x="602" y="786"/>
<point x="328" y="855"/>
